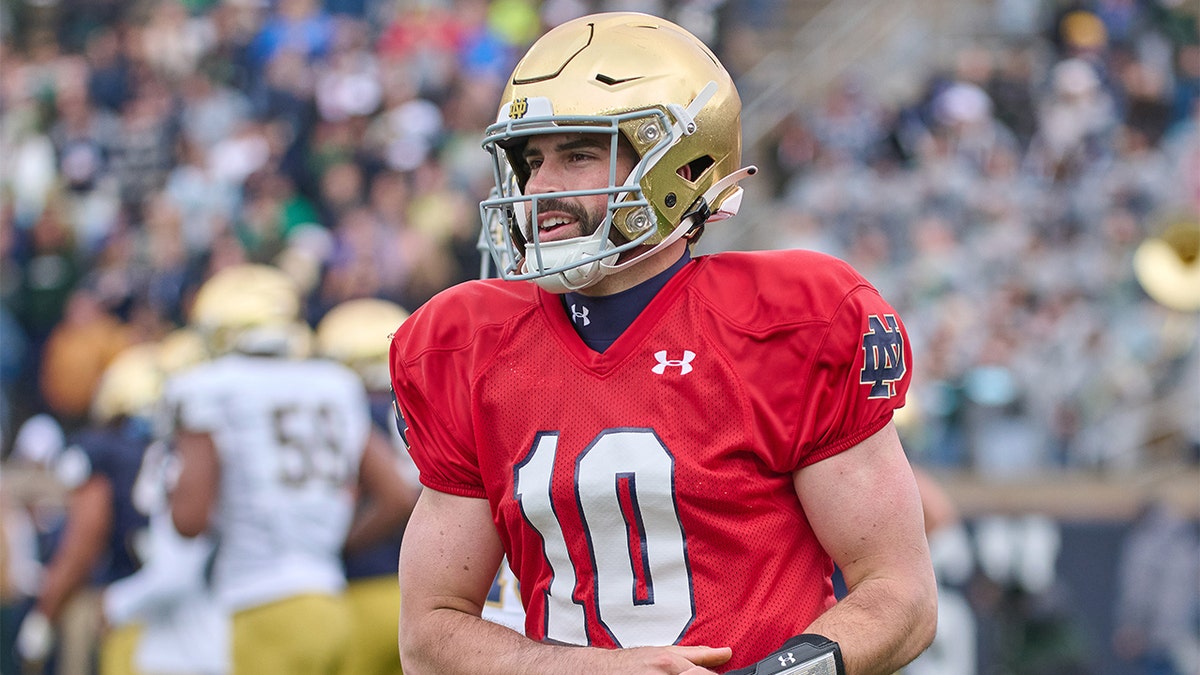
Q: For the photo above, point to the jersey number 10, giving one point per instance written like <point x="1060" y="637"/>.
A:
<point x="624" y="485"/>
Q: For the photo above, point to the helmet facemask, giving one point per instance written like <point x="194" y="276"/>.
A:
<point x="510" y="214"/>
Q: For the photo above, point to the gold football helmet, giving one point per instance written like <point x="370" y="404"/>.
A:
<point x="250" y="308"/>
<point x="180" y="349"/>
<point x="634" y="77"/>
<point x="130" y="385"/>
<point x="357" y="333"/>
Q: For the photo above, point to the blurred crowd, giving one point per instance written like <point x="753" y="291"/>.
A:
<point x="1000" y="211"/>
<point x="148" y="144"/>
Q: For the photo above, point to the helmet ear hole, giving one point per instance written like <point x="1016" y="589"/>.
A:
<point x="692" y="171"/>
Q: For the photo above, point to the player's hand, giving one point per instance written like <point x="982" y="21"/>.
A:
<point x="35" y="638"/>
<point x="671" y="660"/>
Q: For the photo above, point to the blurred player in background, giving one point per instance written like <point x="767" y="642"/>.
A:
<point x="271" y="443"/>
<point x="33" y="507"/>
<point x="673" y="453"/>
<point x="356" y="333"/>
<point x="183" y="630"/>
<point x="104" y="529"/>
<point x="954" y="648"/>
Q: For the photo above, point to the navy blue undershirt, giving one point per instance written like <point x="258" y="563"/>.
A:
<point x="600" y="320"/>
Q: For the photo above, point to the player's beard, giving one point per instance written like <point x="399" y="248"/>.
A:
<point x="587" y="222"/>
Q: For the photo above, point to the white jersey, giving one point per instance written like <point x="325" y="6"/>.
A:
<point x="183" y="629"/>
<point x="290" y="436"/>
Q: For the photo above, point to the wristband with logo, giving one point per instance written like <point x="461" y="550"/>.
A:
<point x="804" y="654"/>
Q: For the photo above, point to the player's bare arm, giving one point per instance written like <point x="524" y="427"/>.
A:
<point x="195" y="491"/>
<point x="391" y="497"/>
<point x="890" y="613"/>
<point x="84" y="540"/>
<point x="450" y="555"/>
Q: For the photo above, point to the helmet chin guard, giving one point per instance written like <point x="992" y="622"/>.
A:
<point x="562" y="255"/>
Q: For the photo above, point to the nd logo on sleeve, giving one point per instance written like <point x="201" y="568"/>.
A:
<point x="883" y="356"/>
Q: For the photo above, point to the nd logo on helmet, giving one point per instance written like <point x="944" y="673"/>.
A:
<point x="518" y="109"/>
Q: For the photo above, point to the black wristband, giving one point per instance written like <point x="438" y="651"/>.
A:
<point x="804" y="654"/>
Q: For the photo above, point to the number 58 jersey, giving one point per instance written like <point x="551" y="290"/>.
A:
<point x="289" y="435"/>
<point x="645" y="495"/>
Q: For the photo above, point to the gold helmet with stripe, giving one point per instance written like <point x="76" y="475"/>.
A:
<point x="250" y="308"/>
<point x="358" y="333"/>
<point x="639" y="80"/>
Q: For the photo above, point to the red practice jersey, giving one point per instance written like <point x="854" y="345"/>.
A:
<point x="644" y="495"/>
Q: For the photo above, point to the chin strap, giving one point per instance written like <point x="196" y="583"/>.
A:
<point x="581" y="277"/>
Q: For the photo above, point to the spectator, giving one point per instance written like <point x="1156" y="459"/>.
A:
<point x="142" y="152"/>
<point x="50" y="266"/>
<point x="99" y="468"/>
<point x="77" y="352"/>
<point x="1076" y="122"/>
<point x="33" y="506"/>
<point x="1157" y="607"/>
<point x="300" y="27"/>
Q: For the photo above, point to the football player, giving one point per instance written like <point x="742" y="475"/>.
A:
<point x="104" y="528"/>
<point x="673" y="452"/>
<point x="356" y="333"/>
<point x="183" y="630"/>
<point x="271" y="443"/>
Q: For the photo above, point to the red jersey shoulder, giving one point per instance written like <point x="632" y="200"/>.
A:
<point x="769" y="288"/>
<point x="455" y="317"/>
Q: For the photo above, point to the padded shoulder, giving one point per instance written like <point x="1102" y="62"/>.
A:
<point x="455" y="317"/>
<point x="764" y="289"/>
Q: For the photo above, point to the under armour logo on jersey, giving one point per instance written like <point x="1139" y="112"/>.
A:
<point x="684" y="365"/>
<point x="883" y="356"/>
<point x="580" y="315"/>
<point x="787" y="660"/>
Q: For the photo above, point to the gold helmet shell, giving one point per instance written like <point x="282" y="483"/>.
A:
<point x="357" y="333"/>
<point x="181" y="349"/>
<point x="645" y="81"/>
<point x="251" y="308"/>
<point x="130" y="385"/>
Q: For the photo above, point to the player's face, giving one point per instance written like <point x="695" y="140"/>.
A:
<point x="562" y="162"/>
